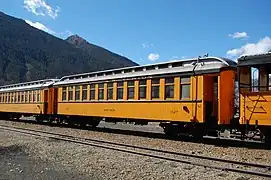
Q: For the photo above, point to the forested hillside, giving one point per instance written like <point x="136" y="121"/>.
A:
<point x="27" y="53"/>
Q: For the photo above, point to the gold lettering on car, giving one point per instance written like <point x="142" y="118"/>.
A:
<point x="109" y="109"/>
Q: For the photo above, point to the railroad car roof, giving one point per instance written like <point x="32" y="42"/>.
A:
<point x="204" y="65"/>
<point x="250" y="60"/>
<point x="28" y="85"/>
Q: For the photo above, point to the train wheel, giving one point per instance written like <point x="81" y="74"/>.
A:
<point x="171" y="130"/>
<point x="95" y="122"/>
<point x="83" y="125"/>
<point x="197" y="132"/>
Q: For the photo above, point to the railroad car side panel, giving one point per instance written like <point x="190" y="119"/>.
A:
<point x="255" y="106"/>
<point x="135" y="110"/>
<point x="36" y="108"/>
<point x="226" y="96"/>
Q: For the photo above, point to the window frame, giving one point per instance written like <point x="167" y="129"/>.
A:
<point x="170" y="85"/>
<point x="142" y="86"/>
<point x="77" y="93"/>
<point x="101" y="91"/>
<point x="130" y="85"/>
<point x="39" y="96"/>
<point x="92" y="89"/>
<point x="84" y="92"/>
<point x="64" y="93"/>
<point x="185" y="83"/>
<point x="110" y="91"/>
<point x="120" y="88"/>
<point x="70" y="93"/>
<point x="155" y="85"/>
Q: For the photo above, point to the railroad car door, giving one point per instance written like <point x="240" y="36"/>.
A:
<point x="45" y="110"/>
<point x="51" y="100"/>
<point x="50" y="96"/>
<point x="210" y="98"/>
<point x="54" y="100"/>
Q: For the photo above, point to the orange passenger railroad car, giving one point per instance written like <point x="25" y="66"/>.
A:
<point x="188" y="94"/>
<point x="28" y="99"/>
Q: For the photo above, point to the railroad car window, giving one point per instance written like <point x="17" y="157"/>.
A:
<point x="64" y="93"/>
<point x="92" y="91"/>
<point x="34" y="96"/>
<point x="143" y="82"/>
<point x="84" y="92"/>
<point x="155" y="89"/>
<point x="185" y="80"/>
<point x="22" y="96"/>
<point x="26" y="96"/>
<point x="38" y="97"/>
<point x="131" y="89"/>
<point x="11" y="97"/>
<point x="101" y="91"/>
<point x="70" y="94"/>
<point x="120" y="90"/>
<point x="169" y="88"/>
<point x="142" y="89"/>
<point x="30" y="96"/>
<point x="110" y="91"/>
<point x="77" y="93"/>
<point x="170" y="80"/>
<point x="1" y="98"/>
<point x="7" y="98"/>
<point x="16" y="97"/>
<point x="185" y="88"/>
<point x="19" y="97"/>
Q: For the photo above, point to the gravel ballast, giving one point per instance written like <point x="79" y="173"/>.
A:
<point x="68" y="160"/>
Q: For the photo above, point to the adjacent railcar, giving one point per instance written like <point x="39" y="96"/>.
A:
<point x="255" y="94"/>
<point x="28" y="99"/>
<point x="185" y="96"/>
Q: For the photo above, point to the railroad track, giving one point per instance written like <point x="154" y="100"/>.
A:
<point x="260" y="170"/>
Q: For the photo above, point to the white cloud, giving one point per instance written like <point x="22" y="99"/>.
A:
<point x="153" y="57"/>
<point x="239" y="35"/>
<point x="146" y="45"/>
<point x="263" y="46"/>
<point x="40" y="26"/>
<point x="41" y="8"/>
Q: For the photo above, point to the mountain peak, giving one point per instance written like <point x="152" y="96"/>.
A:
<point x="76" y="40"/>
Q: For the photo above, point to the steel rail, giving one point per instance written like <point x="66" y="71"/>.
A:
<point x="83" y="141"/>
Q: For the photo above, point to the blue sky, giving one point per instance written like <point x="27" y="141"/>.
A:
<point x="155" y="30"/>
